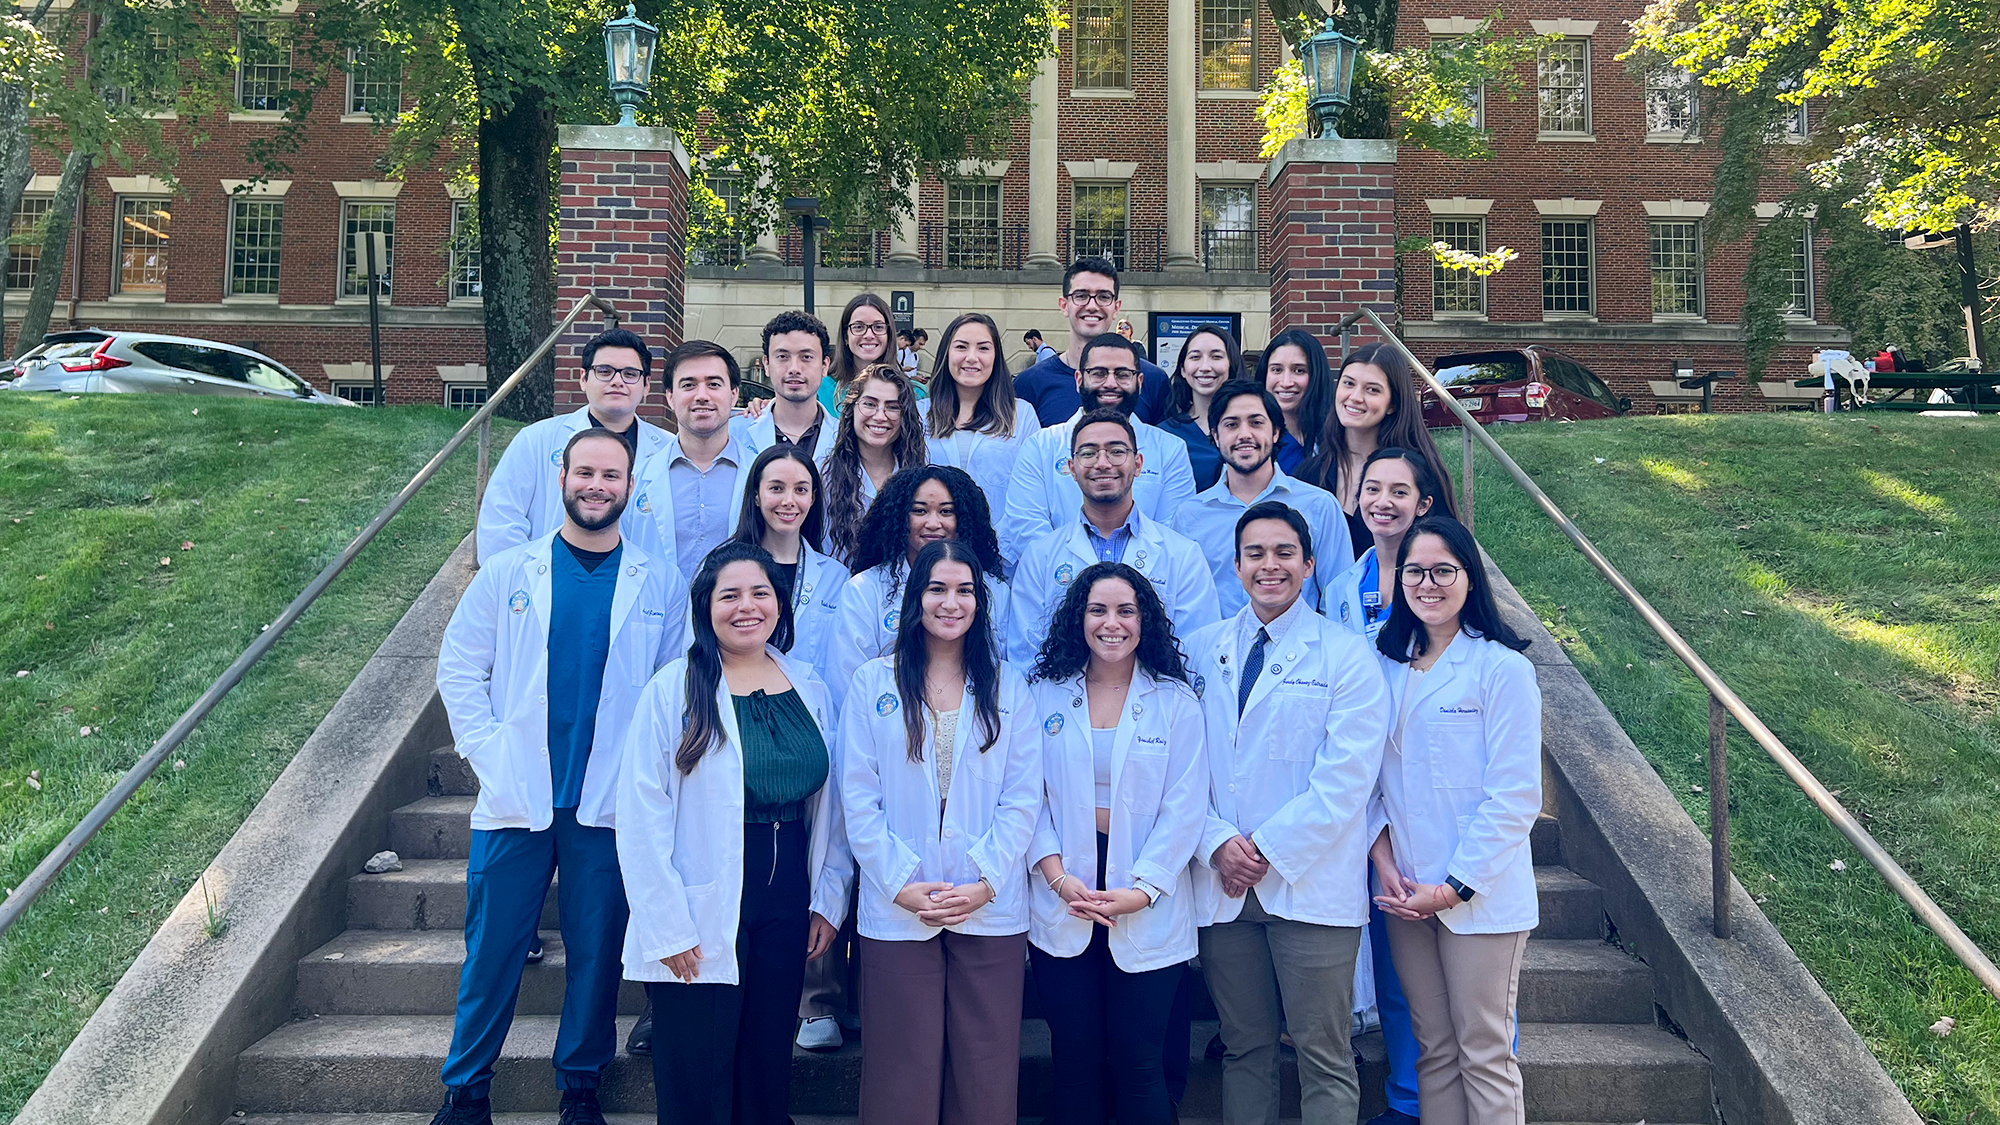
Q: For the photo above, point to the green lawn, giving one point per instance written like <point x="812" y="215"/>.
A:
<point x="1843" y="575"/>
<point x="144" y="540"/>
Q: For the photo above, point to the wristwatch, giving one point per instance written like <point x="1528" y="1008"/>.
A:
<point x="1147" y="889"/>
<point x="1465" y="893"/>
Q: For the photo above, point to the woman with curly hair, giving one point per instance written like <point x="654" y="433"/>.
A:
<point x="1375" y="406"/>
<point x="917" y="507"/>
<point x="880" y="434"/>
<point x="1111" y="924"/>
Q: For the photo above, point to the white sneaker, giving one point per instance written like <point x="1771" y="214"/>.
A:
<point x="820" y="1033"/>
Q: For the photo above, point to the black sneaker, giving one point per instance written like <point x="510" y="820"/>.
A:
<point x="535" y="950"/>
<point x="461" y="1110"/>
<point x="579" y="1107"/>
<point x="640" y="1042"/>
<point x="1215" y="1050"/>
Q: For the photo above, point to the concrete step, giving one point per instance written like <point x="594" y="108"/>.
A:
<point x="415" y="972"/>
<point x="1544" y="841"/>
<point x="433" y="828"/>
<point x="451" y="775"/>
<point x="1594" y="1073"/>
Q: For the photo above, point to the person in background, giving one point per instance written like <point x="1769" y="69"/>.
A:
<point x="1112" y="923"/>
<point x="728" y="763"/>
<point x="880" y="435"/>
<point x="1375" y="406"/>
<point x="704" y="465"/>
<point x="1243" y="416"/>
<point x="1209" y="358"/>
<point x="524" y="497"/>
<point x="919" y="340"/>
<point x="796" y="356"/>
<point x="974" y="421"/>
<point x="941" y="785"/>
<point x="539" y="671"/>
<point x="1125" y="330"/>
<point x="1041" y="351"/>
<point x="918" y="507"/>
<point x="1459" y="791"/>
<point x="1043" y="495"/>
<point x="1296" y="714"/>
<point x="1090" y="302"/>
<point x="862" y="342"/>
<point x="1295" y="371"/>
<point x="1104" y="461"/>
<point x="906" y="352"/>
<point x="784" y="512"/>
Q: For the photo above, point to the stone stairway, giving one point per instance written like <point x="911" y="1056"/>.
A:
<point x="374" y="1013"/>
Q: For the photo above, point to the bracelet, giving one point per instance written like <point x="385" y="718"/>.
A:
<point x="1055" y="885"/>
<point x="989" y="887"/>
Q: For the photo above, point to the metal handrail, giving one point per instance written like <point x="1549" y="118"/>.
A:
<point x="1721" y="699"/>
<point x="52" y="864"/>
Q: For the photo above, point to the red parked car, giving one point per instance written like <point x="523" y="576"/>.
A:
<point x="1529" y="384"/>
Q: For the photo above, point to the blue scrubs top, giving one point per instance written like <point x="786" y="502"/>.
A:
<point x="581" y="588"/>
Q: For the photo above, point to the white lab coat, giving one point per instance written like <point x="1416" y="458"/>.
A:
<point x="680" y="847"/>
<point x="761" y="433"/>
<point x="1210" y="520"/>
<point x="1462" y="786"/>
<point x="815" y="606"/>
<point x="524" y="496"/>
<point x="493" y="676"/>
<point x="1297" y="771"/>
<point x="1346" y="600"/>
<point x="988" y="459"/>
<point x="1042" y="578"/>
<point x="871" y="606"/>
<point x="891" y="807"/>
<point x="653" y="493"/>
<point x="1159" y="789"/>
<point x="1042" y="495"/>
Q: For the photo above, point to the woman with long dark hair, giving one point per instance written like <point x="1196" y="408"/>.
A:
<point x="1460" y="788"/>
<point x="1209" y="357"/>
<point x="1112" y="921"/>
<point x="941" y="782"/>
<point x="917" y="507"/>
<point x="975" y="422"/>
<point x="784" y="512"/>
<point x="1375" y="406"/>
<point x="864" y="338"/>
<point x="1397" y="489"/>
<point x="1294" y="369"/>
<point x="731" y="847"/>
<point x="879" y="435"/>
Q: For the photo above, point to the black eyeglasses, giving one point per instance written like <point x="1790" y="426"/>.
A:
<point x="1086" y="296"/>
<point x="1101" y="374"/>
<point x="1443" y="574"/>
<point x="605" y="373"/>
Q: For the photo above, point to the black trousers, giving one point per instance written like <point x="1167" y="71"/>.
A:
<point x="1106" y="1027"/>
<point x="722" y="1053"/>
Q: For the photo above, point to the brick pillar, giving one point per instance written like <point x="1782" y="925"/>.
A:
<point x="1333" y="218"/>
<point x="623" y="233"/>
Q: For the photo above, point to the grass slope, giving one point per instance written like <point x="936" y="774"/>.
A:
<point x="1843" y="575"/>
<point x="144" y="541"/>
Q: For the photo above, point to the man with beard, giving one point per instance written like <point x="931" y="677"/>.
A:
<point x="1246" y="422"/>
<point x="540" y="669"/>
<point x="1043" y="495"/>
<point x="1104" y="461"/>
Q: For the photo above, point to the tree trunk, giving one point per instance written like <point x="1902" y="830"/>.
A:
<point x="516" y="256"/>
<point x="14" y="169"/>
<point x="55" y="249"/>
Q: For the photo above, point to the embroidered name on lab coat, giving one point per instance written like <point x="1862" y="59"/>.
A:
<point x="1297" y="682"/>
<point x="1458" y="710"/>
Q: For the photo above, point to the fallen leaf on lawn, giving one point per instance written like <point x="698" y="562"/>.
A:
<point x="1694" y="788"/>
<point x="195" y="411"/>
<point x="303" y="500"/>
<point x="1749" y="613"/>
<point x="21" y="675"/>
<point x="187" y="544"/>
<point x="1837" y="865"/>
<point x="104" y="910"/>
<point x="180" y="763"/>
<point x="34" y="783"/>
<point x="1943" y="1027"/>
<point x="1761" y="899"/>
<point x="48" y="624"/>
<point x="84" y="732"/>
<point x="41" y="577"/>
<point x="47" y="971"/>
<point x="165" y="561"/>
<point x="1742" y="527"/>
<point x="1599" y="460"/>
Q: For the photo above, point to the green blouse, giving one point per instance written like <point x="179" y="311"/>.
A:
<point x="784" y="756"/>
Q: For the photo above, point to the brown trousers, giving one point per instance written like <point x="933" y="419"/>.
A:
<point x="1461" y="989"/>
<point x="941" y="1029"/>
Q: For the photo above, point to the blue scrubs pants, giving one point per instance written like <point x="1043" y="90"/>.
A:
<point x="506" y="880"/>
<point x="1399" y="1041"/>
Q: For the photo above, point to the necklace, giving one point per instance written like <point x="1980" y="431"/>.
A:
<point x="1107" y="684"/>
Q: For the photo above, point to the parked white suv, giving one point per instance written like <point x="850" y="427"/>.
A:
<point x="94" y="360"/>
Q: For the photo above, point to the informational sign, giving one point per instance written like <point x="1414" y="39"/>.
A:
<point x="1170" y="330"/>
<point x="903" y="308"/>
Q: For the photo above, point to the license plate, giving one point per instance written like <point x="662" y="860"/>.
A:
<point x="1472" y="404"/>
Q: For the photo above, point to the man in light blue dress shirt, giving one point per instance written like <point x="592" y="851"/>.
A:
<point x="705" y="465"/>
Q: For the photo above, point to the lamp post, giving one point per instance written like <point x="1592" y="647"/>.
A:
<point x="628" y="61"/>
<point x="805" y="209"/>
<point x="1328" y="59"/>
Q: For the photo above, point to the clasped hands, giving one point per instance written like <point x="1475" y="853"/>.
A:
<point x="1404" y="897"/>
<point x="1101" y="907"/>
<point x="941" y="904"/>
<point x="1240" y="864"/>
<point x="686" y="966"/>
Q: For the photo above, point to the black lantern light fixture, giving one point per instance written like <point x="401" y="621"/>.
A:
<point x="1328" y="58"/>
<point x="628" y="61"/>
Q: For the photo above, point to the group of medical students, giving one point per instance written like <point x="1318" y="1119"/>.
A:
<point x="862" y="709"/>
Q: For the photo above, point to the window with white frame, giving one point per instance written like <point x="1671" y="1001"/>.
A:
<point x="465" y="264"/>
<point x="366" y="218"/>
<point x="1670" y="101"/>
<point x="1229" y="234"/>
<point x="463" y="396"/>
<point x="723" y="245"/>
<point x="1473" y="97"/>
<point x="144" y="230"/>
<point x="1562" y="87"/>
<point x="1461" y="292"/>
<point x="264" y="64"/>
<point x="1801" y="303"/>
<point x="1568" y="267"/>
<point x="1101" y="32"/>
<point x="361" y="394"/>
<point x="1675" y="252"/>
<point x="24" y="240"/>
<point x="375" y="79"/>
<point x="1098" y="227"/>
<point x="156" y="64"/>
<point x="256" y="229"/>
<point x="972" y="225"/>
<point x="1796" y="127"/>
<point x="1228" y="44"/>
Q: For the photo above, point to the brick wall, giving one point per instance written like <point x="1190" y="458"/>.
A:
<point x="1334" y="234"/>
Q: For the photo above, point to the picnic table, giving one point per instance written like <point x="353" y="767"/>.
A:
<point x="1981" y="395"/>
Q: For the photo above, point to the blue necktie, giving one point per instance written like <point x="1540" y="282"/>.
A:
<point x="1251" y="666"/>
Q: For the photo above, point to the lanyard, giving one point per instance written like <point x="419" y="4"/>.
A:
<point x="1371" y="588"/>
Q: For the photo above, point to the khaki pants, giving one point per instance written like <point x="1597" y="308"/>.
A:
<point x="1269" y="975"/>
<point x="1462" y="990"/>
